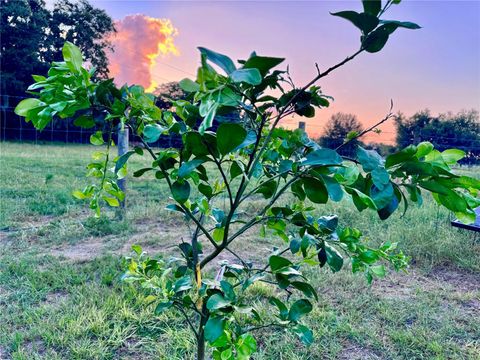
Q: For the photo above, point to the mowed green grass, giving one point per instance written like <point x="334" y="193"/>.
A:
<point x="61" y="296"/>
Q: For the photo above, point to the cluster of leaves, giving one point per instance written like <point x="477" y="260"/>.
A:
<point x="239" y="161"/>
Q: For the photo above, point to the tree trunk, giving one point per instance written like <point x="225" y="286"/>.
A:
<point x="201" y="346"/>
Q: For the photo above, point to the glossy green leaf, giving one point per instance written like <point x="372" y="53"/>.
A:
<point x="26" y="105"/>
<point x="229" y="136"/>
<point x="219" y="59"/>
<point x="305" y="288"/>
<point x="214" y="328"/>
<point x="278" y="262"/>
<point x="298" y="309"/>
<point x="217" y="301"/>
<point x="369" y="159"/>
<point x="187" y="167"/>
<point x="262" y="63"/>
<point x="283" y="311"/>
<point x="334" y="259"/>
<point x="322" y="157"/>
<point x="152" y="133"/>
<point x="97" y="138"/>
<point x="72" y="55"/>
<point x="181" y="191"/>
<point x="304" y="334"/>
<point x="161" y="307"/>
<point x="249" y="76"/>
<point x="315" y="190"/>
<point x="189" y="85"/>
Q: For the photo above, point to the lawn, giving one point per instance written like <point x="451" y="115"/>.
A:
<point x="61" y="296"/>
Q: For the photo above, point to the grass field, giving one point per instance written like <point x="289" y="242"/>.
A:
<point x="61" y="296"/>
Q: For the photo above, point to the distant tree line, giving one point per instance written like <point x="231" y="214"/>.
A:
<point x="461" y="131"/>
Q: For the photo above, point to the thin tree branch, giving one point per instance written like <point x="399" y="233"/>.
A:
<point x="387" y="117"/>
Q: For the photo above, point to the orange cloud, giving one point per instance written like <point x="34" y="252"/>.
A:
<point x="139" y="41"/>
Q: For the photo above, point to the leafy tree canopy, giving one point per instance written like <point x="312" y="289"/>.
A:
<point x="33" y="36"/>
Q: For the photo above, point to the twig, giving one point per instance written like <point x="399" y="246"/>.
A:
<point x="387" y="117"/>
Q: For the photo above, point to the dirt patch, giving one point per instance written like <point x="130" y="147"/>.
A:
<point x="352" y="351"/>
<point x="81" y="252"/>
<point x="459" y="280"/>
<point x="55" y="298"/>
<point x="402" y="286"/>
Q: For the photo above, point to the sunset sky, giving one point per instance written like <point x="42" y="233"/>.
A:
<point x="436" y="67"/>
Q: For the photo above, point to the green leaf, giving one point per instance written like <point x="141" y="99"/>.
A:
<point x="380" y="177"/>
<point x="84" y="121"/>
<point x="451" y="156"/>
<point x="187" y="167"/>
<point x="217" y="301"/>
<point x="72" y="55"/>
<point x="122" y="160"/>
<point x="181" y="191"/>
<point x="369" y="159"/>
<point x="403" y="155"/>
<point x="26" y="105"/>
<point x="249" y="76"/>
<point x="246" y="345"/>
<point x="111" y="201"/>
<point x="182" y="284"/>
<point x="218" y="234"/>
<point x="305" y="288"/>
<point x="335" y="191"/>
<point x="376" y="40"/>
<point x="423" y="149"/>
<point x="304" y="334"/>
<point x="189" y="85"/>
<point x="315" y="190"/>
<point x="235" y="170"/>
<point x="219" y="59"/>
<point x="278" y="262"/>
<point x="174" y="207"/>
<point x="97" y="138"/>
<point x="364" y="21"/>
<point x="152" y="133"/>
<point x="372" y="7"/>
<point x="161" y="307"/>
<point x="357" y="195"/>
<point x="394" y="24"/>
<point x="281" y="307"/>
<point x="322" y="157"/>
<point x="298" y="309"/>
<point x="229" y="136"/>
<point x="214" y="328"/>
<point x="334" y="259"/>
<point x="267" y="189"/>
<point x="262" y="63"/>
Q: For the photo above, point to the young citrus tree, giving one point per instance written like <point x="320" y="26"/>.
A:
<point x="249" y="159"/>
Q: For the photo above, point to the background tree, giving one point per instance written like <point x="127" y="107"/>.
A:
<point x="32" y="37"/>
<point x="167" y="93"/>
<point x="461" y="130"/>
<point x="85" y="26"/>
<point x="23" y="34"/>
<point x="337" y="130"/>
